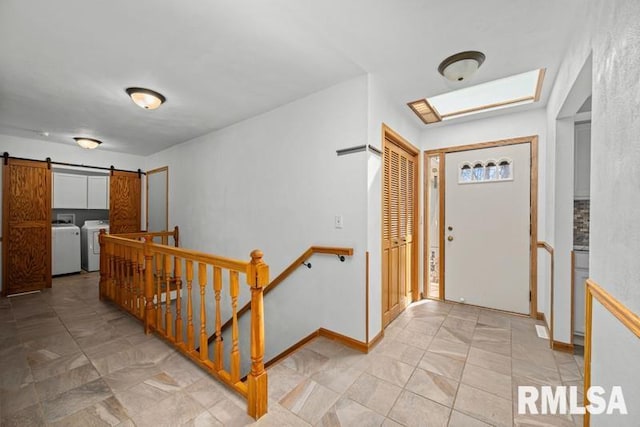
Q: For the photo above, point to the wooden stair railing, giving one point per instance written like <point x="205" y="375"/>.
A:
<point x="137" y="276"/>
<point x="164" y="236"/>
<point x="301" y="260"/>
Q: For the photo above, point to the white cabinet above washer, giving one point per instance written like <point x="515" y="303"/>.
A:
<point x="97" y="192"/>
<point x="69" y="191"/>
<point x="78" y="191"/>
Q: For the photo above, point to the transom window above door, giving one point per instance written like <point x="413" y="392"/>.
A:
<point x="485" y="171"/>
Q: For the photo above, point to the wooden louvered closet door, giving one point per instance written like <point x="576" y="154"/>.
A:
<point x="26" y="226"/>
<point x="124" y="202"/>
<point x="398" y="226"/>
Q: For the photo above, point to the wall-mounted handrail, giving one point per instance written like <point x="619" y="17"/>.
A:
<point x="301" y="260"/>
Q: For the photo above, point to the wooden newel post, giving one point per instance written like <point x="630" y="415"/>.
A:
<point x="103" y="264"/>
<point x="150" y="309"/>
<point x="257" y="278"/>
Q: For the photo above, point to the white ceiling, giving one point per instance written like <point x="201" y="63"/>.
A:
<point x="64" y="65"/>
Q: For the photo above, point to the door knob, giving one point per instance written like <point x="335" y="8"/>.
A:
<point x="450" y="238"/>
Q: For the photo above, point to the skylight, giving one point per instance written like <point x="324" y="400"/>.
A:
<point x="506" y="92"/>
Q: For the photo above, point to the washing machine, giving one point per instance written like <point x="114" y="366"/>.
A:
<point x="91" y="244"/>
<point x="65" y="249"/>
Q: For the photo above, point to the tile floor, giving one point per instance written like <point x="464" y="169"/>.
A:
<point x="67" y="359"/>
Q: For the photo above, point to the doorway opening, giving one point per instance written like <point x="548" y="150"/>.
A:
<point x="481" y="214"/>
<point x="158" y="199"/>
<point x="571" y="191"/>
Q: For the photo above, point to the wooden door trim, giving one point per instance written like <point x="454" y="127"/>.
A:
<point x="396" y="138"/>
<point x="389" y="134"/>
<point x="485" y="144"/>
<point x="533" y="208"/>
<point x="146" y="210"/>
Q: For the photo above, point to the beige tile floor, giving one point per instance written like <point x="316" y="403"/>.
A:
<point x="67" y="359"/>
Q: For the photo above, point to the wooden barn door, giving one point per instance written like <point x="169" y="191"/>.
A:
<point x="399" y="243"/>
<point x="124" y="202"/>
<point x="26" y="226"/>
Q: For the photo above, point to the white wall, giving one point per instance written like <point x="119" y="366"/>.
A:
<point x="71" y="153"/>
<point x="612" y="37"/>
<point x="381" y="109"/>
<point x="519" y="124"/>
<point x="274" y="182"/>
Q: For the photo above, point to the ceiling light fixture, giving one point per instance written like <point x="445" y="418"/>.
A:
<point x="461" y="66"/>
<point x="88" y="143"/>
<point x="145" y="98"/>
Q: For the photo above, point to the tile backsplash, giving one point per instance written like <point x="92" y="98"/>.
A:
<point x="581" y="222"/>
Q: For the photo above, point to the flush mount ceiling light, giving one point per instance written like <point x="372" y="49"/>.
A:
<point x="145" y="98"/>
<point x="88" y="143"/>
<point x="461" y="66"/>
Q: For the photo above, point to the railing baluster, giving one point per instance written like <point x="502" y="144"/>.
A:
<point x="119" y="275"/>
<point x="202" y="281"/>
<point x="190" y="343"/>
<point x="128" y="269"/>
<point x="159" y="293"/>
<point x="217" y="287"/>
<point x="132" y="258"/>
<point x="141" y="283"/>
<point x="122" y="263"/>
<point x="114" y="274"/>
<point x="168" y="320"/>
<point x="103" y="264"/>
<point x="235" y="351"/>
<point x="133" y="271"/>
<point x="116" y="292"/>
<point x="110" y="295"/>
<point x="148" y="286"/>
<point x="177" y="273"/>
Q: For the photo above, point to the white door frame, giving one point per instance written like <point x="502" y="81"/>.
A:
<point x="533" y="264"/>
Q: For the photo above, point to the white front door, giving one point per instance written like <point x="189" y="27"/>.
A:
<point x="487" y="227"/>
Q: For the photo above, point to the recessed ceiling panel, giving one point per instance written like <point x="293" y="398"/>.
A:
<point x="513" y="90"/>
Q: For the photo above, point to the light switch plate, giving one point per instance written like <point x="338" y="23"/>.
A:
<point x="338" y="221"/>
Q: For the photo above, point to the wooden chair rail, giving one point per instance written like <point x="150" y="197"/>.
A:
<point x="628" y="318"/>
<point x="287" y="272"/>
<point x="546" y="246"/>
<point x="145" y="278"/>
<point x="619" y="310"/>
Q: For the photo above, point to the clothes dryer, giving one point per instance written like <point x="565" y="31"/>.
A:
<point x="91" y="243"/>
